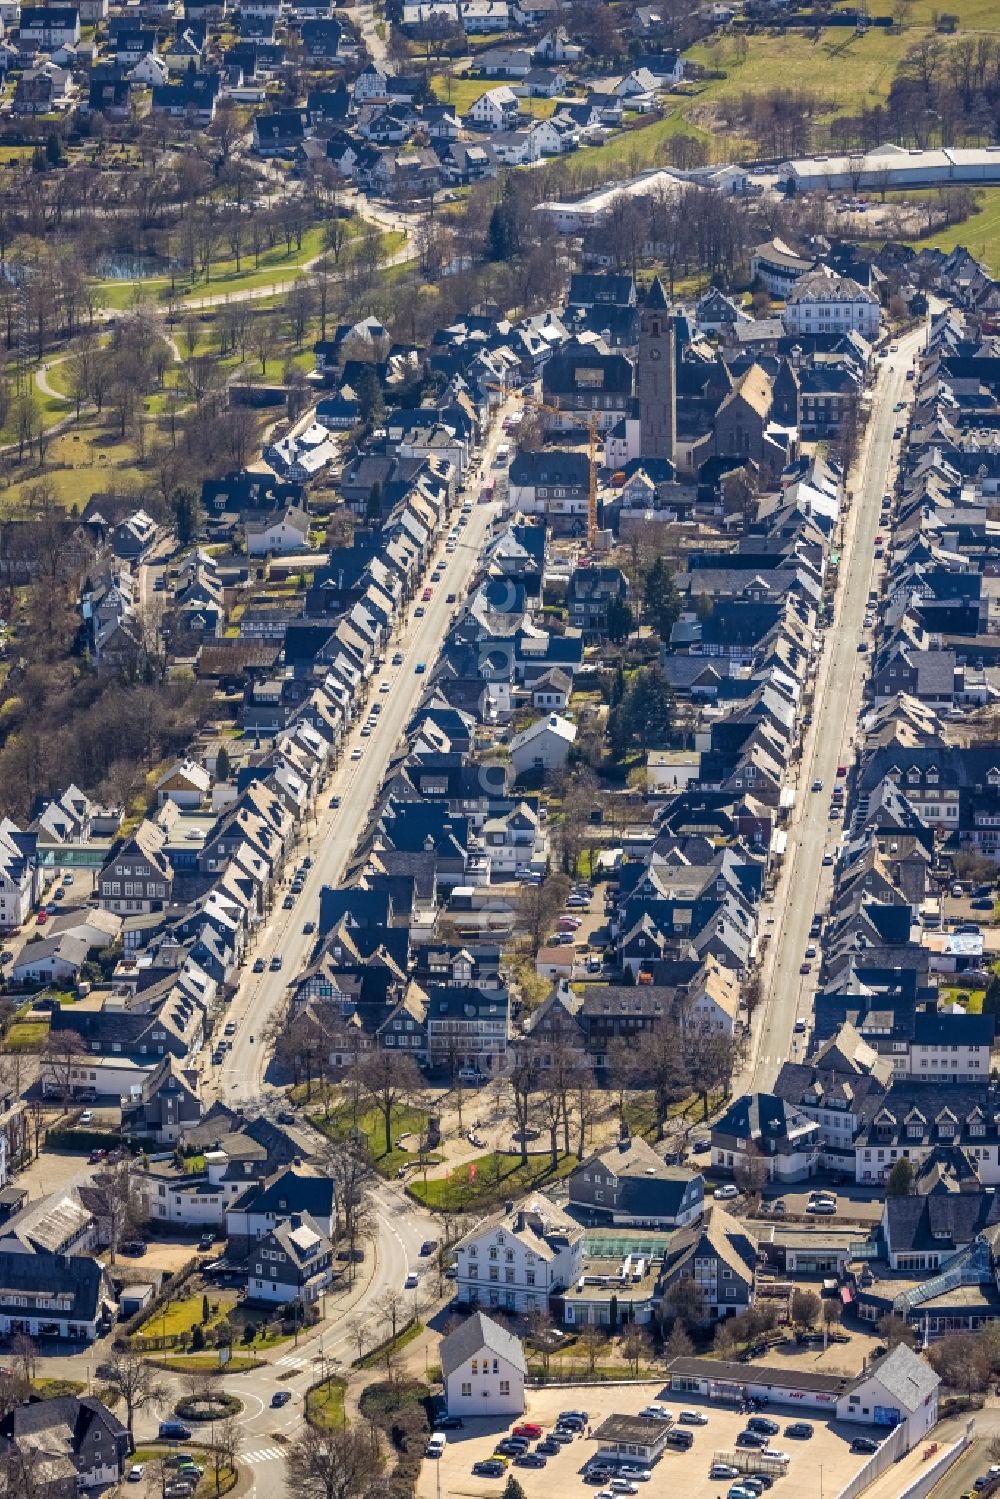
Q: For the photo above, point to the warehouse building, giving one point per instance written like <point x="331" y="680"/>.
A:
<point x="891" y="168"/>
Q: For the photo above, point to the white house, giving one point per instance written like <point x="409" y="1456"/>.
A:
<point x="900" y="1390"/>
<point x="496" y="109"/>
<point x="286" y="530"/>
<point x="371" y="84"/>
<point x="53" y="960"/>
<point x="483" y="1369"/>
<point x="186" y="784"/>
<point x="823" y="302"/>
<point x="18" y="875"/>
<point x="519" y="1258"/>
<point x="151" y="70"/>
<point x="544" y="745"/>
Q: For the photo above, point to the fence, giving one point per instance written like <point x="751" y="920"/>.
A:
<point x="891" y="1450"/>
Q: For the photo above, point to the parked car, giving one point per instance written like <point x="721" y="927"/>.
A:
<point x="693" y="1418"/>
<point x="763" y="1424"/>
<point x="726" y="1192"/>
<point x="864" y="1444"/>
<point x="800" y="1430"/>
<point x="531" y="1460"/>
<point x="206" y="1241"/>
<point x="488" y="1467"/>
<point x="435" y="1447"/>
<point x="259" y="965"/>
<point x="529" y="1429"/>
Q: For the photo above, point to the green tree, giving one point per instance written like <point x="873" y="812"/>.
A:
<point x="645" y="715"/>
<point x="900" y="1182"/>
<point x="223" y="764"/>
<point x="187" y="513"/>
<point x="53" y="150"/>
<point x="512" y="1489"/>
<point x="660" y="599"/>
<point x="205" y="1313"/>
<point x="991" y="999"/>
<point x="370" y="399"/>
<point x="620" y="620"/>
<point x="503" y="235"/>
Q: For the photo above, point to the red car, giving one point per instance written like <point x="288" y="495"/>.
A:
<point x="527" y="1429"/>
<point x="42" y="917"/>
<point x="427" y="594"/>
<point x="841" y="770"/>
<point x="879" y="540"/>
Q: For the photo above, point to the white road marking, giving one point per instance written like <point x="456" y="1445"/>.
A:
<point x="293" y="1361"/>
<point x="264" y="1455"/>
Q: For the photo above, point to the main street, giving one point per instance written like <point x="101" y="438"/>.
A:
<point x="805" y="883"/>
<point x="335" y="832"/>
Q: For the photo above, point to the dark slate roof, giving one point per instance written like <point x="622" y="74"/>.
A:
<point x="943" y="1221"/>
<point x="290" y="1192"/>
<point x="953" y="1030"/>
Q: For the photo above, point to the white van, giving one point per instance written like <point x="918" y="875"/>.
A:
<point x="502" y="455"/>
<point x="435" y="1447"/>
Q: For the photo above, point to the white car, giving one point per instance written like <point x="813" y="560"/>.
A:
<point x="87" y="1116"/>
<point x="384" y="686"/>
<point x="726" y="1192"/>
<point x="135" y="1472"/>
<point x="356" y="752"/>
<point x="693" y="1418"/>
<point x="435" y="1447"/>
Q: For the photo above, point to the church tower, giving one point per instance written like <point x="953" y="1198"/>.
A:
<point x="656" y="375"/>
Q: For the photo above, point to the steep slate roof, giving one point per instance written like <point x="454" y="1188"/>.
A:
<point x="477" y="1332"/>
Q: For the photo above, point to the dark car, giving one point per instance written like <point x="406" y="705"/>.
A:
<point x="563" y="1434"/>
<point x="281" y="1397"/>
<point x="801" y="1430"/>
<point x="259" y="965"/>
<point x="448" y="1423"/>
<point x="489" y="1467"/>
<point x="764" y="1425"/>
<point x="206" y="1241"/>
<point x="597" y="1476"/>
<point x="530" y="1460"/>
<point x="572" y="1418"/>
<point x="680" y="1437"/>
<point x="751" y="1439"/>
<point x="982" y="903"/>
<point x="174" y="1430"/>
<point x="512" y="1446"/>
<point x="864" y="1444"/>
<point x="550" y="1447"/>
<point x="428" y="1246"/>
<point x="136" y="1249"/>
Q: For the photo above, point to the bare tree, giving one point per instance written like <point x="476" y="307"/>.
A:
<point x="63" y="1050"/>
<point x="227" y="1438"/>
<point x="25" y="1356"/>
<point x="135" y="1381"/>
<point x="390" y="1081"/>
<point x="331" y="1463"/>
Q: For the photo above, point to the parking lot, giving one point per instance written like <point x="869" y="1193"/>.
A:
<point x="685" y="1473"/>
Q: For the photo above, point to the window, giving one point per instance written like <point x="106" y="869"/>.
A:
<point x="466" y="1389"/>
<point x="475" y="1367"/>
<point x="505" y="1386"/>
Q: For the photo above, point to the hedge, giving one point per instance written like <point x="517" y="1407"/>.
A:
<point x="94" y="1139"/>
<point x="214" y="1407"/>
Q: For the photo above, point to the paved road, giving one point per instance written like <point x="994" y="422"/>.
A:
<point x="805" y="884"/>
<point x="331" y="839"/>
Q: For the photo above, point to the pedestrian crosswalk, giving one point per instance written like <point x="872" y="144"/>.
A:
<point x="263" y="1455"/>
<point x="293" y="1361"/>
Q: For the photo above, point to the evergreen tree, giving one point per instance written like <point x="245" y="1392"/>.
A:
<point x="187" y="513"/>
<point x="900" y="1181"/>
<point x="370" y="399"/>
<point x="223" y="765"/>
<point x="620" y="620"/>
<point x="503" y="238"/>
<point x="661" y="601"/>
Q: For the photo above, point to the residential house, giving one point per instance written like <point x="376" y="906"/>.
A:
<point x="483" y="1369"/>
<point x="67" y="1440"/>
<point x="519" y="1258"/>
<point x="138" y="876"/>
<point x="291" y="1262"/>
<point x="720" y="1256"/>
<point x="630" y="1185"/>
<point x="543" y="746"/>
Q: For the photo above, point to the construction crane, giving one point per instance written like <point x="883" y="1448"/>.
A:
<point x="539" y="405"/>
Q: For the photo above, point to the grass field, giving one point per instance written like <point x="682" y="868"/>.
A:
<point x="26" y="1035"/>
<point x="325" y="1404"/>
<point x="406" y="1121"/>
<point x="979" y="233"/>
<point x="181" y="1316"/>
<point x="485" y="1179"/>
<point x="376" y="1360"/>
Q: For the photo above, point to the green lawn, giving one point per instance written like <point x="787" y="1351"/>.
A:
<point x="970" y="999"/>
<point x="371" y="1126"/>
<point x="181" y="1316"/>
<point x="26" y="1035"/>
<point x="378" y="1358"/>
<point x="979" y="233"/>
<point x="480" y="1182"/>
<point x="325" y="1404"/>
<point x="207" y="1362"/>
